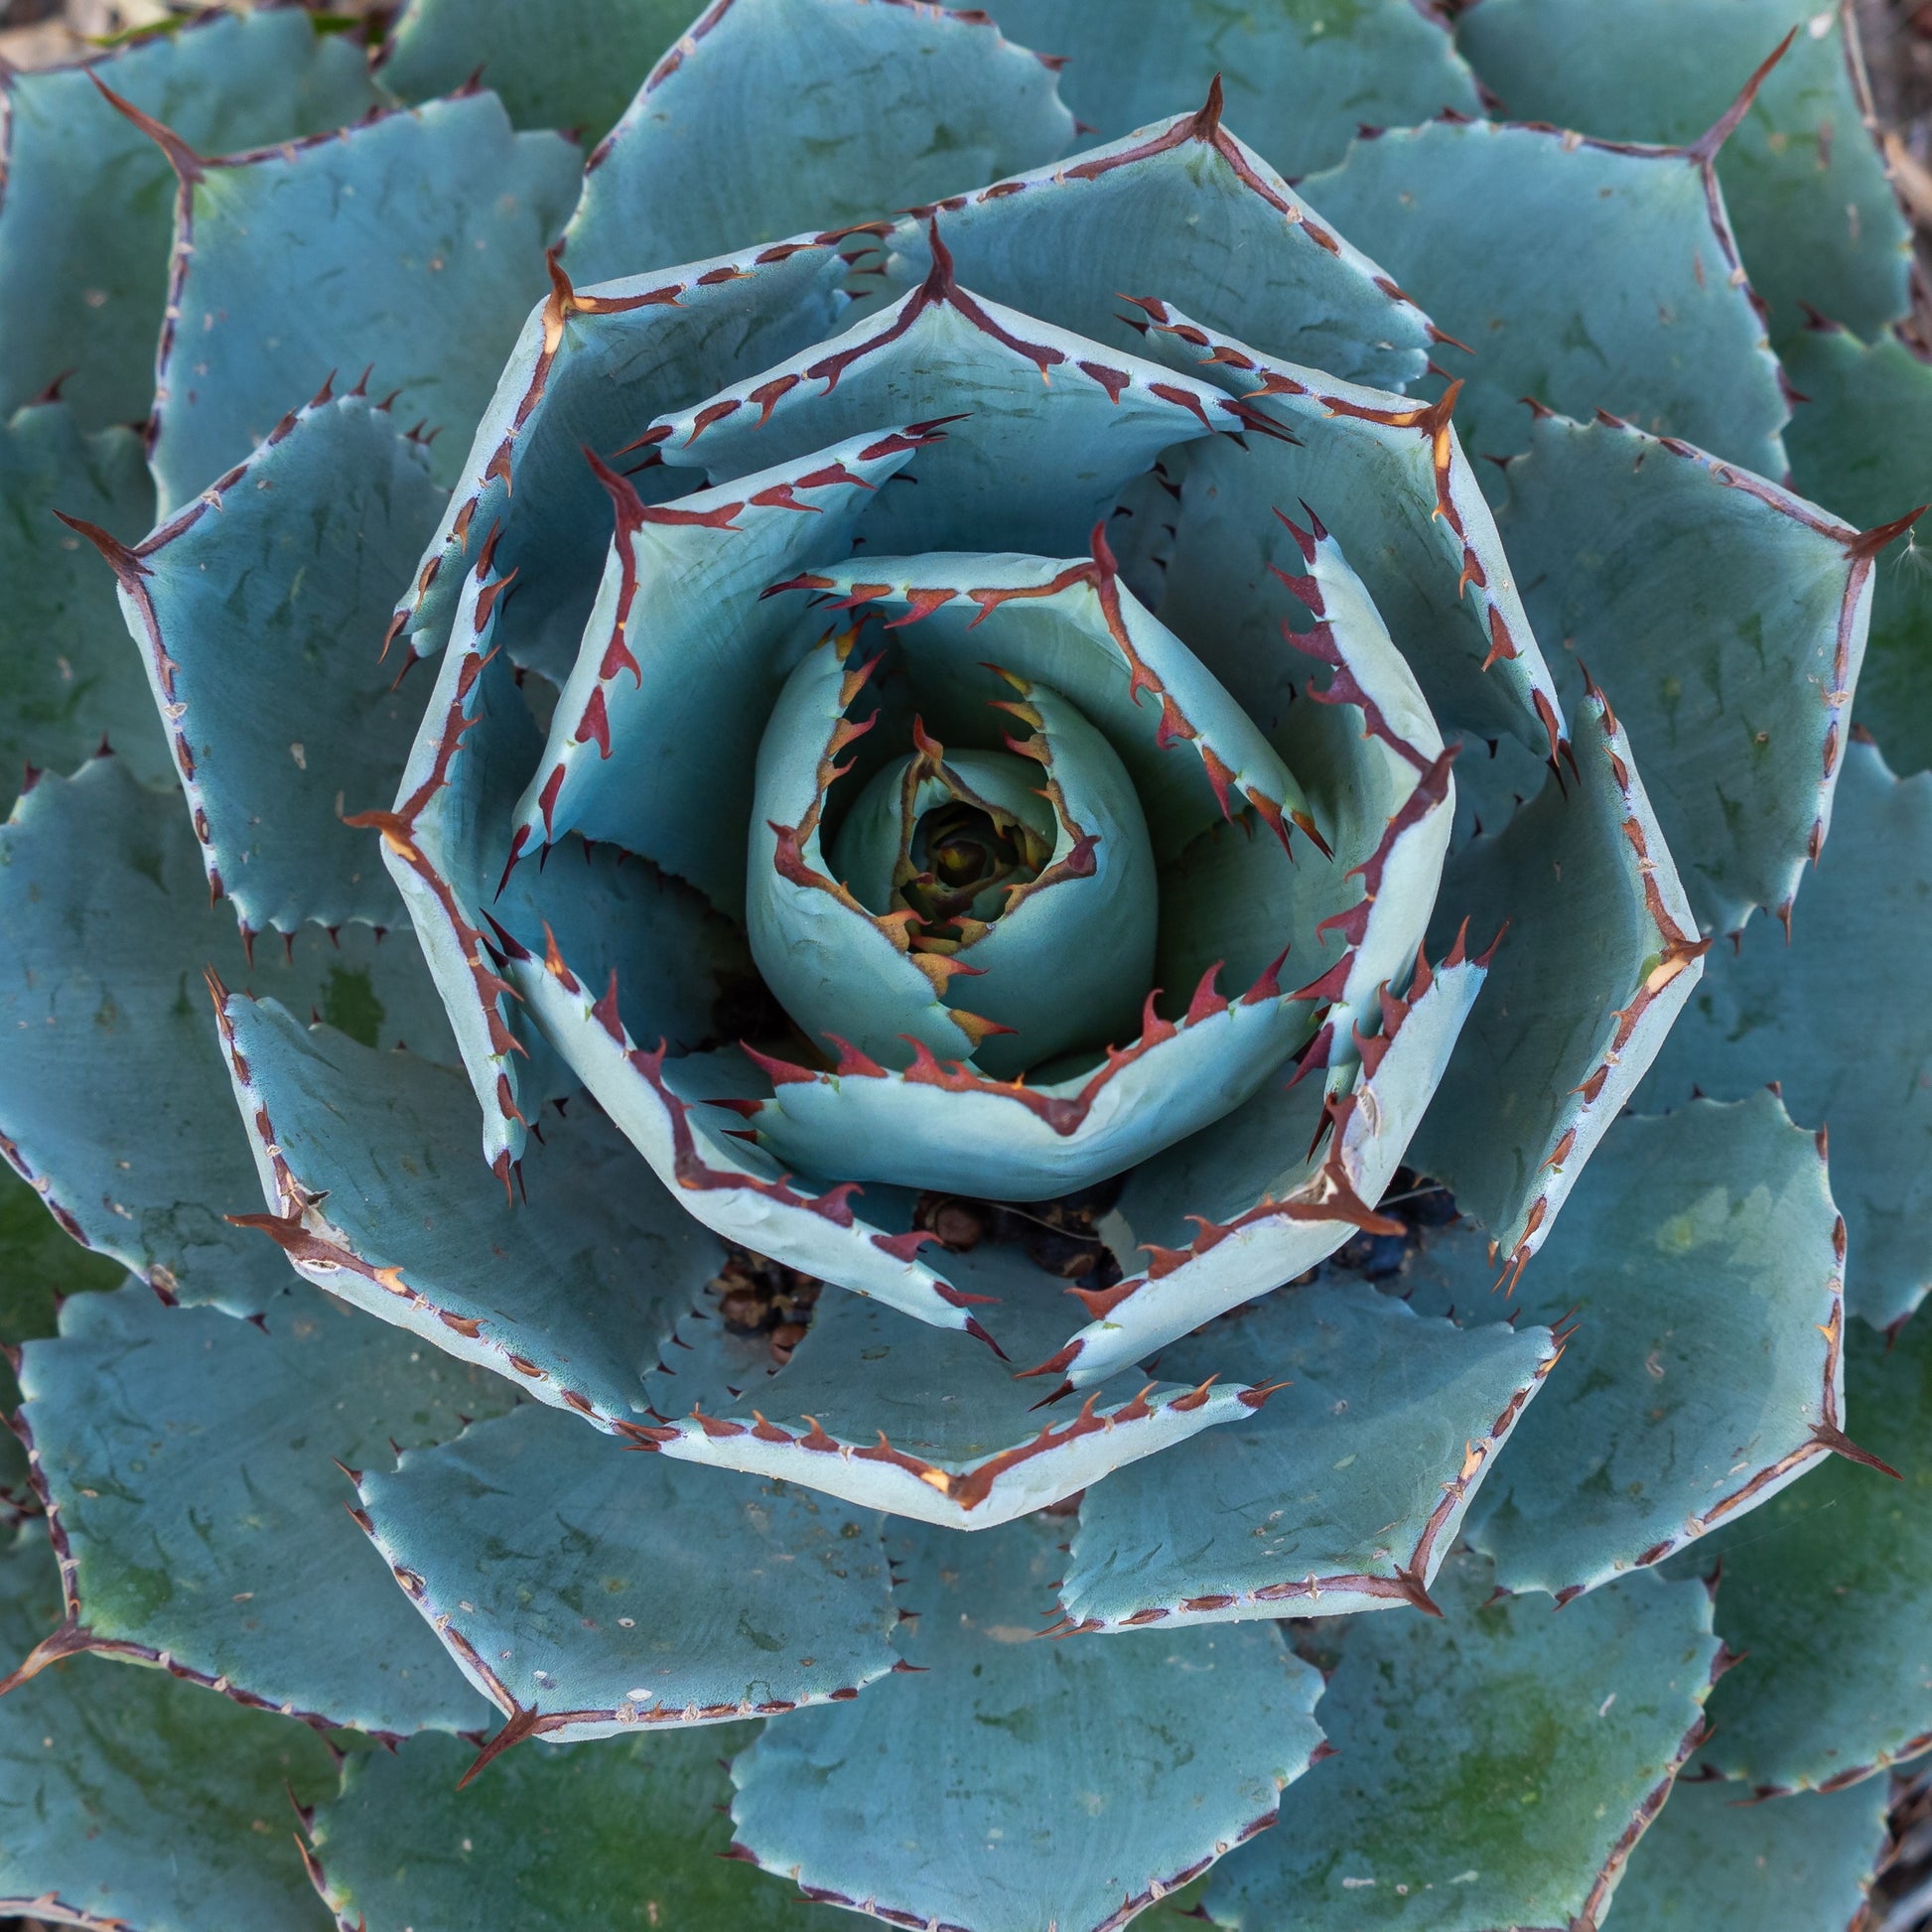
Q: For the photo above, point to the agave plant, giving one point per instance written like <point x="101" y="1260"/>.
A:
<point x="992" y="957"/>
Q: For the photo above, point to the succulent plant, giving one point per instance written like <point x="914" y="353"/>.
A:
<point x="993" y="962"/>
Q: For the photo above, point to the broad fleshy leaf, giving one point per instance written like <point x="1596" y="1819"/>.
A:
<point x="1274" y="1187"/>
<point x="583" y="1589"/>
<point x="1832" y="1570"/>
<point x="1009" y="1781"/>
<point x="113" y="1099"/>
<point x="1494" y="1767"/>
<point x="186" y="1461"/>
<point x="928" y="1423"/>
<point x="1599" y="956"/>
<point x="655" y="740"/>
<point x="1829" y="1017"/>
<point x="69" y="678"/>
<point x="1043" y="428"/>
<point x="1700" y="1258"/>
<point x="577" y="71"/>
<point x="1625" y="539"/>
<point x="368" y="1167"/>
<point x="1344" y="1493"/>
<point x="1861" y="444"/>
<point x="1652" y="320"/>
<point x="627" y="1836"/>
<point x="438" y="217"/>
<point x="1816" y="218"/>
<point x="1718" y="1861"/>
<point x="259" y="610"/>
<point x="84" y="223"/>
<point x="1389" y="478"/>
<point x="1183" y="211"/>
<point x="156" y="1805"/>
<point x="591" y="370"/>
<point x="882" y="102"/>
<point x="1302" y="76"/>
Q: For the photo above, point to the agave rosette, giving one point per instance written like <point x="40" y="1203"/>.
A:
<point x="1006" y="765"/>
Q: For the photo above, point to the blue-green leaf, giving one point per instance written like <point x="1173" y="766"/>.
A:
<point x="1861" y="444"/>
<point x="419" y="238"/>
<point x="1701" y="1258"/>
<point x="1807" y="1012"/>
<point x="578" y="70"/>
<point x="1043" y="428"/>
<point x="260" y="610"/>
<point x="591" y="370"/>
<point x="1599" y="956"/>
<point x="1656" y="324"/>
<point x="1493" y="1767"/>
<point x="368" y="1167"/>
<point x="1345" y="1493"/>
<point x="113" y="1099"/>
<point x="1274" y="1186"/>
<point x="1717" y="1861"/>
<point x="928" y="1423"/>
<point x="1389" y="478"/>
<point x="627" y="1836"/>
<point x="1012" y="1782"/>
<point x="655" y="740"/>
<point x="185" y="1458"/>
<point x="1823" y="1591"/>
<point x="1300" y="76"/>
<point x="1186" y="213"/>
<point x="1627" y="540"/>
<point x="156" y="1805"/>
<point x="584" y="1591"/>
<point x="882" y="102"/>
<point x="84" y="223"/>
<point x="1816" y="218"/>
<point x="69" y="678"/>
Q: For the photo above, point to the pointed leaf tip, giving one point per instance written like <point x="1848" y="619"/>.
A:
<point x="1705" y="148"/>
<point x="188" y="166"/>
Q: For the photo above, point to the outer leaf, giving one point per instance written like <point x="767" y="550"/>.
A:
<point x="161" y="1807"/>
<point x="83" y="224"/>
<point x="1603" y="957"/>
<point x="1014" y="1782"/>
<point x="592" y="371"/>
<point x="653" y="741"/>
<point x="1390" y="478"/>
<point x="375" y="1194"/>
<point x="585" y="1594"/>
<point x="1627" y="540"/>
<point x="1183" y="211"/>
<point x="1701" y="1257"/>
<point x="1495" y="1768"/>
<point x="1656" y="322"/>
<point x="1827" y="1570"/>
<point x="113" y="1101"/>
<point x="1806" y="1013"/>
<point x="1044" y="428"/>
<point x="1715" y="1862"/>
<point x="931" y="1424"/>
<point x="1816" y="218"/>
<point x="882" y="102"/>
<point x="68" y="677"/>
<point x="578" y="72"/>
<point x="662" y="1105"/>
<point x="1346" y="1492"/>
<point x="1300" y="76"/>
<point x="186" y="1461"/>
<point x="627" y="1838"/>
<point x="1860" y="447"/>
<point x="1229" y="1213"/>
<point x="440" y="214"/>
<point x="259" y="610"/>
